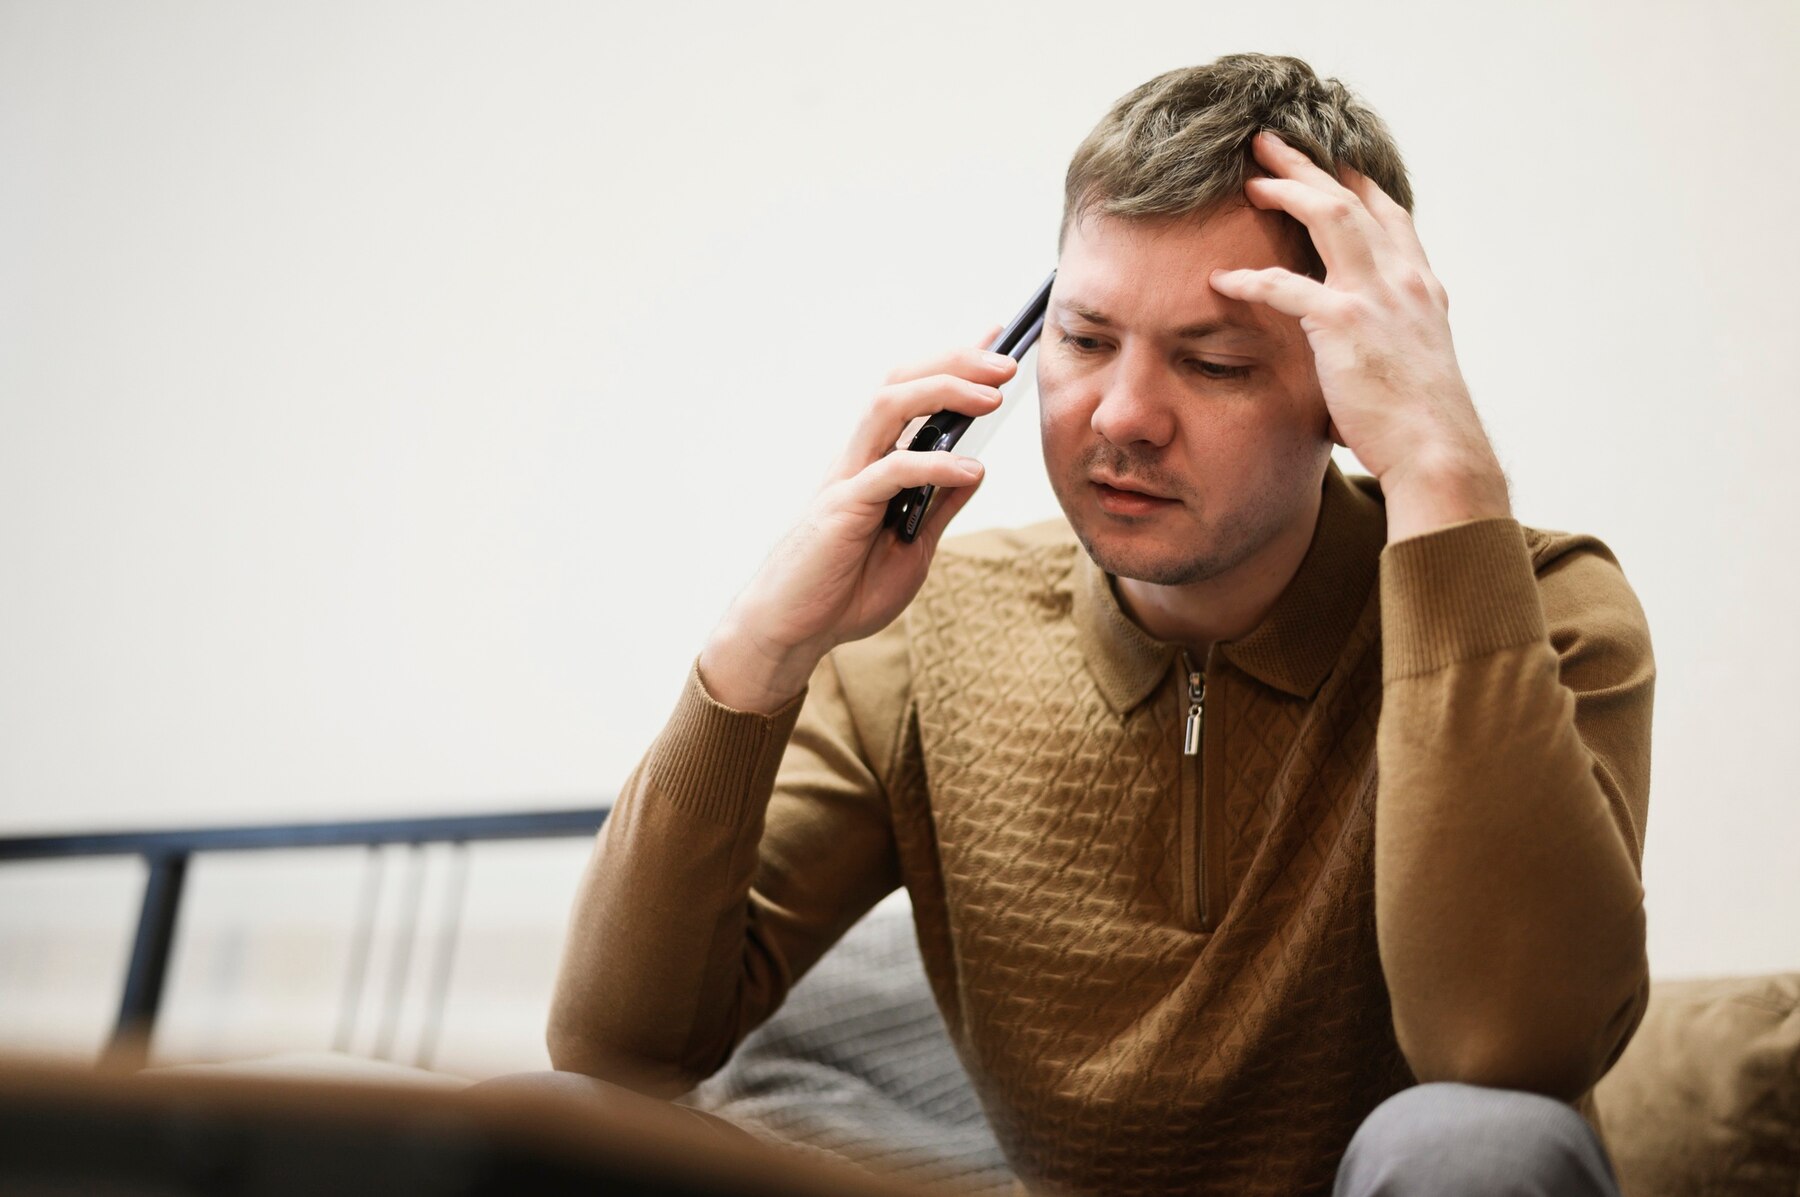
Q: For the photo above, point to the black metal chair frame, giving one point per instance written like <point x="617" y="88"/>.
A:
<point x="167" y="853"/>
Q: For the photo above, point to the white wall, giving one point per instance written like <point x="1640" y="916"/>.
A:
<point x="386" y="389"/>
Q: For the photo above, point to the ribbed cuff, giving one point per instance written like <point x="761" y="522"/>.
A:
<point x="1457" y="593"/>
<point x="716" y="762"/>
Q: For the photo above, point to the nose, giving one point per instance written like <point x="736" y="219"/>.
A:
<point x="1133" y="408"/>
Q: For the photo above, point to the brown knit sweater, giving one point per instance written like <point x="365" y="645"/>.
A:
<point x="1407" y="849"/>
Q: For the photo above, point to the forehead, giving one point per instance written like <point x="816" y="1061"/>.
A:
<point x="1152" y="272"/>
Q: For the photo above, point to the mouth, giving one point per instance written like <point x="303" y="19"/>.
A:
<point x="1120" y="498"/>
<point x="1124" y="487"/>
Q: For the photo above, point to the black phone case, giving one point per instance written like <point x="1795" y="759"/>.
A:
<point x="906" y="510"/>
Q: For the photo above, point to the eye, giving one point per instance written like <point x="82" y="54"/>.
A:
<point x="1081" y="344"/>
<point x="1218" y="370"/>
<point x="1215" y="371"/>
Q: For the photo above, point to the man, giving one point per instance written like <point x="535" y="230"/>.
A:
<point x="1265" y="828"/>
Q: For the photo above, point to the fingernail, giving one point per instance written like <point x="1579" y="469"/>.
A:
<point x="969" y="466"/>
<point x="999" y="359"/>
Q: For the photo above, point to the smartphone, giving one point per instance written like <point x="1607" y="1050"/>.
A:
<point x="906" y="510"/>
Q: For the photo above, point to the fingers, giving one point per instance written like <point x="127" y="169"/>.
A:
<point x="1396" y="221"/>
<point x="965" y="362"/>
<point x="882" y="480"/>
<point x="1414" y="274"/>
<point x="1360" y="231"/>
<point x="966" y="379"/>
<point x="897" y="404"/>
<point x="1332" y="213"/>
<point x="1338" y="224"/>
<point x="1284" y="161"/>
<point x="1288" y="293"/>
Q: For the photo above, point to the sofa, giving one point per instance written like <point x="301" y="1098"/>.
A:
<point x="857" y="1065"/>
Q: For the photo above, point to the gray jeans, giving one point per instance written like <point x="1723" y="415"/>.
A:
<point x="1462" y="1139"/>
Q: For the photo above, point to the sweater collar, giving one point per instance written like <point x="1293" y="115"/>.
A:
<point x="1298" y="640"/>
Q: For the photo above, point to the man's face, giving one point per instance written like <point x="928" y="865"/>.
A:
<point x="1183" y="431"/>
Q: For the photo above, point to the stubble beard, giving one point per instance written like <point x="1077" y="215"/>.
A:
<point x="1238" y="536"/>
<point x="1236" y="540"/>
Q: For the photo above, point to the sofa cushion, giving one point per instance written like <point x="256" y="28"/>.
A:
<point x="857" y="1064"/>
<point x="1706" y="1099"/>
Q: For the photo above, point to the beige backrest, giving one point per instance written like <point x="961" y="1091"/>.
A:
<point x="1706" y="1100"/>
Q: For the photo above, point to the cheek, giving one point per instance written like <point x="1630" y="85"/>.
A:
<point x="1244" y="436"/>
<point x="1061" y="417"/>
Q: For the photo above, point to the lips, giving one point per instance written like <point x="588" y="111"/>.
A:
<point x="1127" y="488"/>
<point x="1126" y="503"/>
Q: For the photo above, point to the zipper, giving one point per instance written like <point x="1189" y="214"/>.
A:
<point x="1191" y="740"/>
<point x="1196" y="716"/>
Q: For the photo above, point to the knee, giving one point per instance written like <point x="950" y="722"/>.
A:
<point x="561" y="1084"/>
<point x="599" y="1098"/>
<point x="1467" y="1139"/>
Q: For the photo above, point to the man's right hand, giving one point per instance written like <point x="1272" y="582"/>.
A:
<point x="839" y="575"/>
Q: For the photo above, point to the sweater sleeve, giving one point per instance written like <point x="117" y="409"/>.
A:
<point x="740" y="848"/>
<point x="1514" y="769"/>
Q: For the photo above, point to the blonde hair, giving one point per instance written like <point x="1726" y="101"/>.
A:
<point x="1180" y="144"/>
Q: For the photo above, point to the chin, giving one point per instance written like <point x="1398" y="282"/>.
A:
<point x="1159" y="569"/>
<point x="1174" y="548"/>
<point x="1148" y="557"/>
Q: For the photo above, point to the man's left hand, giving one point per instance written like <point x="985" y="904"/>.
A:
<point x="1379" y="329"/>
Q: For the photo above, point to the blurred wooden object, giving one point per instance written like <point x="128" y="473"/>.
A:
<point x="66" y="1129"/>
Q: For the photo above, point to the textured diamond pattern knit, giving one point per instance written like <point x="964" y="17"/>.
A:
<point x="1066" y="929"/>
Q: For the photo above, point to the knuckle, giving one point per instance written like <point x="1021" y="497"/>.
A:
<point x="875" y="474"/>
<point x="1355" y="311"/>
<point x="890" y="400"/>
<point x="1422" y="286"/>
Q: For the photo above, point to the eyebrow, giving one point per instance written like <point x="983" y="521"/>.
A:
<point x="1187" y="332"/>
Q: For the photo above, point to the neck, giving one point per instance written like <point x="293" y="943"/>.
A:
<point x="1226" y="606"/>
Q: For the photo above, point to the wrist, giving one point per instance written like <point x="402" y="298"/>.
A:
<point x="746" y="673"/>
<point x="1440" y="489"/>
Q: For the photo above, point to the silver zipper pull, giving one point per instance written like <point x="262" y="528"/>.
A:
<point x="1190" y="743"/>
